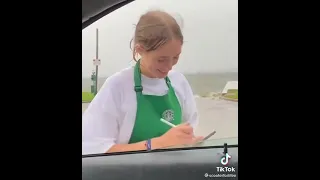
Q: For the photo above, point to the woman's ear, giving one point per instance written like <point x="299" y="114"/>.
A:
<point x="139" y="49"/>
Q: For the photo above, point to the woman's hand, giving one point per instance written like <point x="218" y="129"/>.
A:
<point x="179" y="135"/>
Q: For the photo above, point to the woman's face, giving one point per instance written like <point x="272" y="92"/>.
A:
<point x="160" y="61"/>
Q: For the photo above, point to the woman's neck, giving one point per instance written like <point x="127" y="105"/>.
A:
<point x="145" y="71"/>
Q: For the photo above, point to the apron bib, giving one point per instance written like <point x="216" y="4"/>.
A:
<point x="151" y="108"/>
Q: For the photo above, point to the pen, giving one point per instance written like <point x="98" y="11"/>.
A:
<point x="167" y="122"/>
<point x="207" y="137"/>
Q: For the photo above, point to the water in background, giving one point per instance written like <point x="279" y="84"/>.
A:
<point x="200" y="83"/>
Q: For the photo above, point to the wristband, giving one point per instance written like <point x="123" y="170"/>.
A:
<point x="148" y="144"/>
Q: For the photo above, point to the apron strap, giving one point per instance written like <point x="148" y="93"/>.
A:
<point x="168" y="83"/>
<point x="137" y="79"/>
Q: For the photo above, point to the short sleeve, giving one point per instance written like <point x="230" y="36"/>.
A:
<point x="100" y="125"/>
<point x="190" y="111"/>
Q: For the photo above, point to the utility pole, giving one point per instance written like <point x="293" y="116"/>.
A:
<point x="96" y="62"/>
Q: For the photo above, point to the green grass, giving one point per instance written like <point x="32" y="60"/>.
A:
<point x="232" y="94"/>
<point x="87" y="96"/>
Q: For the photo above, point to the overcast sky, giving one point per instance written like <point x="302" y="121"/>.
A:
<point x="210" y="28"/>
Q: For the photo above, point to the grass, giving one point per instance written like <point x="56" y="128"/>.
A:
<point x="232" y="94"/>
<point x="87" y="97"/>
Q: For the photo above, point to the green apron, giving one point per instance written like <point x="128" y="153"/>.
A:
<point x="151" y="108"/>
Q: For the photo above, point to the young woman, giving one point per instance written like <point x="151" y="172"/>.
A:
<point x="125" y="114"/>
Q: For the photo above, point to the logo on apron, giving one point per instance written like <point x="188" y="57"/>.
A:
<point x="168" y="115"/>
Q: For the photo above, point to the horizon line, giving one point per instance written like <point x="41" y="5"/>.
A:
<point x="182" y="73"/>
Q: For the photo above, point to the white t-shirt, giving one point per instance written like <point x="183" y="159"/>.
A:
<point x="110" y="117"/>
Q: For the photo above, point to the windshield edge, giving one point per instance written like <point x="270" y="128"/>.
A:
<point x="158" y="150"/>
<point x="100" y="15"/>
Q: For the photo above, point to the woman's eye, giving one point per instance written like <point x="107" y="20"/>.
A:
<point x="160" y="60"/>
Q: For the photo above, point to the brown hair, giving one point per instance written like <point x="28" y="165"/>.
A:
<point x="154" y="29"/>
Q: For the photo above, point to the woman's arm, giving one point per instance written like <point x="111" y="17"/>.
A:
<point x="179" y="135"/>
<point x="100" y="125"/>
<point x="156" y="143"/>
<point x="100" y="128"/>
<point x="100" y="122"/>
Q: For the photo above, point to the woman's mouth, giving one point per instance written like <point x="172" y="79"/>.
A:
<point x="163" y="72"/>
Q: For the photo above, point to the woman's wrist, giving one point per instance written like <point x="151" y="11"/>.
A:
<point x="157" y="143"/>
